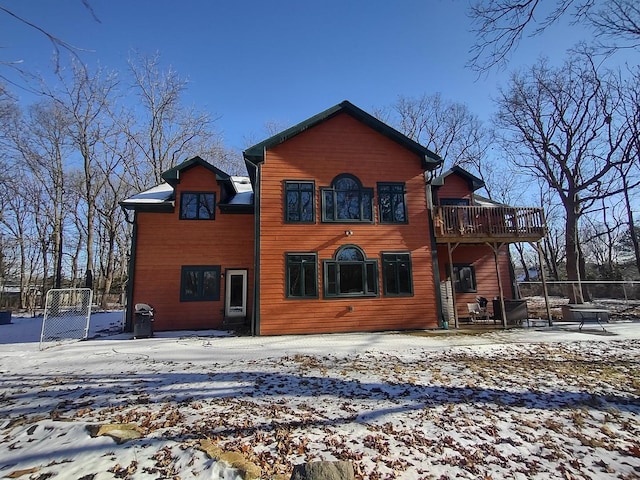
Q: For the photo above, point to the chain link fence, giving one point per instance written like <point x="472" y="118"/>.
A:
<point x="66" y="316"/>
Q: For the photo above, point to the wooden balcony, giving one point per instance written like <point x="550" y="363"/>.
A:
<point x="471" y="224"/>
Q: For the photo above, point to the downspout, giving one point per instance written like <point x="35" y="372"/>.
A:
<point x="128" y="325"/>
<point x="434" y="256"/>
<point x="255" y="316"/>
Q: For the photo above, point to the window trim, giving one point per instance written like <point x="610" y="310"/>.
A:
<point x="198" y="193"/>
<point x="332" y="190"/>
<point x="404" y="203"/>
<point x="366" y="264"/>
<point x="287" y="285"/>
<point x="454" y="202"/>
<point x="457" y="281"/>
<point x="200" y="269"/>
<point x="384" y="276"/>
<point x="286" y="183"/>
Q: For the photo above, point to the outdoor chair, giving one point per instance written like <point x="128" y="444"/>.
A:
<point x="477" y="312"/>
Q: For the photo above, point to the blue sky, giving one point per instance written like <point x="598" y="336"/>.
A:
<point x="251" y="62"/>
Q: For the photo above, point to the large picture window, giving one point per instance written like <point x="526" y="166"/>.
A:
<point x="391" y="203"/>
<point x="200" y="283"/>
<point x="302" y="275"/>
<point x="197" y="206"/>
<point x="350" y="274"/>
<point x="464" y="276"/>
<point x="346" y="200"/>
<point x="396" y="274"/>
<point x="299" y="202"/>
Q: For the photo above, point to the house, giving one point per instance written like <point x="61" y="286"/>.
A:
<point x="473" y="234"/>
<point x="192" y="251"/>
<point x="334" y="230"/>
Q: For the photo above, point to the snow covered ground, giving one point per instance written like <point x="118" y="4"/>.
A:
<point x="529" y="403"/>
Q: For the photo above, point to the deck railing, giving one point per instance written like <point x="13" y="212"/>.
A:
<point x="473" y="222"/>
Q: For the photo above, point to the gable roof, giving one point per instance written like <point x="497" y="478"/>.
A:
<point x="172" y="176"/>
<point x="158" y="197"/>
<point x="430" y="160"/>
<point x="236" y="191"/>
<point x="240" y="196"/>
<point x="474" y="182"/>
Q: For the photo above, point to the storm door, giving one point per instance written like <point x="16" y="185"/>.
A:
<point x="235" y="303"/>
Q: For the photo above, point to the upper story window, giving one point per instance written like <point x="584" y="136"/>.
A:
<point x="198" y="206"/>
<point x="346" y="200"/>
<point x="350" y="274"/>
<point x="299" y="206"/>
<point x="391" y="203"/>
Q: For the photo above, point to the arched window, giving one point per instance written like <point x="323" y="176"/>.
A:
<point x="350" y="274"/>
<point x="346" y="200"/>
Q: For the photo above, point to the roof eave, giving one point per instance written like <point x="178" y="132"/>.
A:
<point x="163" y="207"/>
<point x="172" y="176"/>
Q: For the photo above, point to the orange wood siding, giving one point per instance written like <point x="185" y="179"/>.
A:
<point x="454" y="187"/>
<point x="167" y="243"/>
<point x="483" y="260"/>
<point x="342" y="145"/>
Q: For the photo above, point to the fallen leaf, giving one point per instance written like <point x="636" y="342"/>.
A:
<point x="20" y="473"/>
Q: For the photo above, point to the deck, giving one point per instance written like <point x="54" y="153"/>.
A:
<point x="473" y="224"/>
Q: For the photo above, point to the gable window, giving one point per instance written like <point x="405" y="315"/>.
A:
<point x="350" y="274"/>
<point x="299" y="202"/>
<point x="200" y="283"/>
<point x="391" y="203"/>
<point x="302" y="275"/>
<point x="346" y="200"/>
<point x="197" y="206"/>
<point x="396" y="274"/>
<point x="464" y="276"/>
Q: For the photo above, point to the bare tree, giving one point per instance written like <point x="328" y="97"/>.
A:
<point x="553" y="241"/>
<point x="499" y="25"/>
<point x="85" y="98"/>
<point x="600" y="236"/>
<point x="630" y="173"/>
<point x="560" y="126"/>
<point x="38" y="144"/>
<point x="43" y="143"/>
<point x="59" y="45"/>
<point x="164" y="131"/>
<point x="15" y="223"/>
<point x="448" y="128"/>
<point x="111" y="222"/>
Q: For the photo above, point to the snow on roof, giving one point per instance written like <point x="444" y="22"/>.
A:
<point x="481" y="201"/>
<point x="158" y="194"/>
<point x="243" y="198"/>
<point x="241" y="184"/>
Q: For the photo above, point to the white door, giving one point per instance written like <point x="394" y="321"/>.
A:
<point x="235" y="303"/>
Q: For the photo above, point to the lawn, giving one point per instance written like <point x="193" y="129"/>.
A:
<point x="523" y="403"/>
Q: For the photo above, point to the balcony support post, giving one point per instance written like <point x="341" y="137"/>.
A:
<point x="496" y="248"/>
<point x="543" y="279"/>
